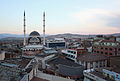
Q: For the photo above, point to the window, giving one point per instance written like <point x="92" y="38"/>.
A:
<point x="96" y="64"/>
<point x="101" y="47"/>
<point x="108" y="44"/>
<point x="72" y="56"/>
<point x="113" y="44"/>
<point x="68" y="51"/>
<point x="74" y="52"/>
<point x="101" y="52"/>
<point x="65" y="54"/>
<point x="106" y="48"/>
<point x="97" y="51"/>
<point x="106" y="53"/>
<point x="91" y="65"/>
<point x="102" y="43"/>
<point x="110" y="49"/>
<point x="119" y="49"/>
<point x="104" y="63"/>
<point x="101" y="64"/>
<point x="68" y="55"/>
<point x="110" y="54"/>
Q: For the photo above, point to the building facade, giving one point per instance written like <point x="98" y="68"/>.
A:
<point x="92" y="60"/>
<point x="106" y="47"/>
<point x="102" y="74"/>
<point x="70" y="53"/>
<point x="34" y="45"/>
<point x="56" y="43"/>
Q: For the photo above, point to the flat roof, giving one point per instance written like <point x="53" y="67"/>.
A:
<point x="99" y="74"/>
<point x="38" y="79"/>
<point x="60" y="60"/>
<point x="18" y="62"/>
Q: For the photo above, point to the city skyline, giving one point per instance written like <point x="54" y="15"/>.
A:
<point x="77" y="17"/>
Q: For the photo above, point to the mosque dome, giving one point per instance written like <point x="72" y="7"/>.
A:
<point x="34" y="38"/>
<point x="34" y="33"/>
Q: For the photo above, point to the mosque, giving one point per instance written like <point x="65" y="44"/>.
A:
<point x="34" y="44"/>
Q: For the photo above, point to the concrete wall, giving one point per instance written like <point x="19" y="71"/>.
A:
<point x="44" y="59"/>
<point x="25" y="78"/>
<point x="102" y="63"/>
<point x="31" y="75"/>
<point x="52" y="77"/>
<point x="2" y="55"/>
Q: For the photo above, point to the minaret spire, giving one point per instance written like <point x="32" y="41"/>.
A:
<point x="24" y="30"/>
<point x="44" y="28"/>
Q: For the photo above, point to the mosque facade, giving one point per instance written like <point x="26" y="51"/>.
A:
<point x="34" y="45"/>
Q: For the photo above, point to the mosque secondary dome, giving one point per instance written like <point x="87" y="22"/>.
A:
<point x="34" y="33"/>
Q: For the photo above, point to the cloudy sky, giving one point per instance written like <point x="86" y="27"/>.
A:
<point x="62" y="16"/>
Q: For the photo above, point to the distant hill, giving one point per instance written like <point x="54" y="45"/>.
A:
<point x="20" y="37"/>
<point x="79" y="35"/>
<point x="7" y="35"/>
<point x="69" y="35"/>
<point x="115" y="34"/>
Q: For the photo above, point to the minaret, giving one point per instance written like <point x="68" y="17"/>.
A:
<point x="44" y="28"/>
<point x="24" y="30"/>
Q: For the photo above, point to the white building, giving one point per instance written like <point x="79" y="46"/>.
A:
<point x="101" y="74"/>
<point x="56" y="43"/>
<point x="70" y="53"/>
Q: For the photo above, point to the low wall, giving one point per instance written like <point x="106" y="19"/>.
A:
<point x="52" y="77"/>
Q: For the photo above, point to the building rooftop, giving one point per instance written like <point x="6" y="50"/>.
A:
<point x="15" y="68"/>
<point x="56" y="40"/>
<point x="33" y="47"/>
<point x="109" y="41"/>
<point x="34" y="33"/>
<point x="38" y="79"/>
<point x="115" y="63"/>
<point x="65" y="67"/>
<point x="99" y="73"/>
<point x="60" y="60"/>
<point x="18" y="62"/>
<point x="88" y="57"/>
<point x="99" y="40"/>
<point x="47" y="52"/>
